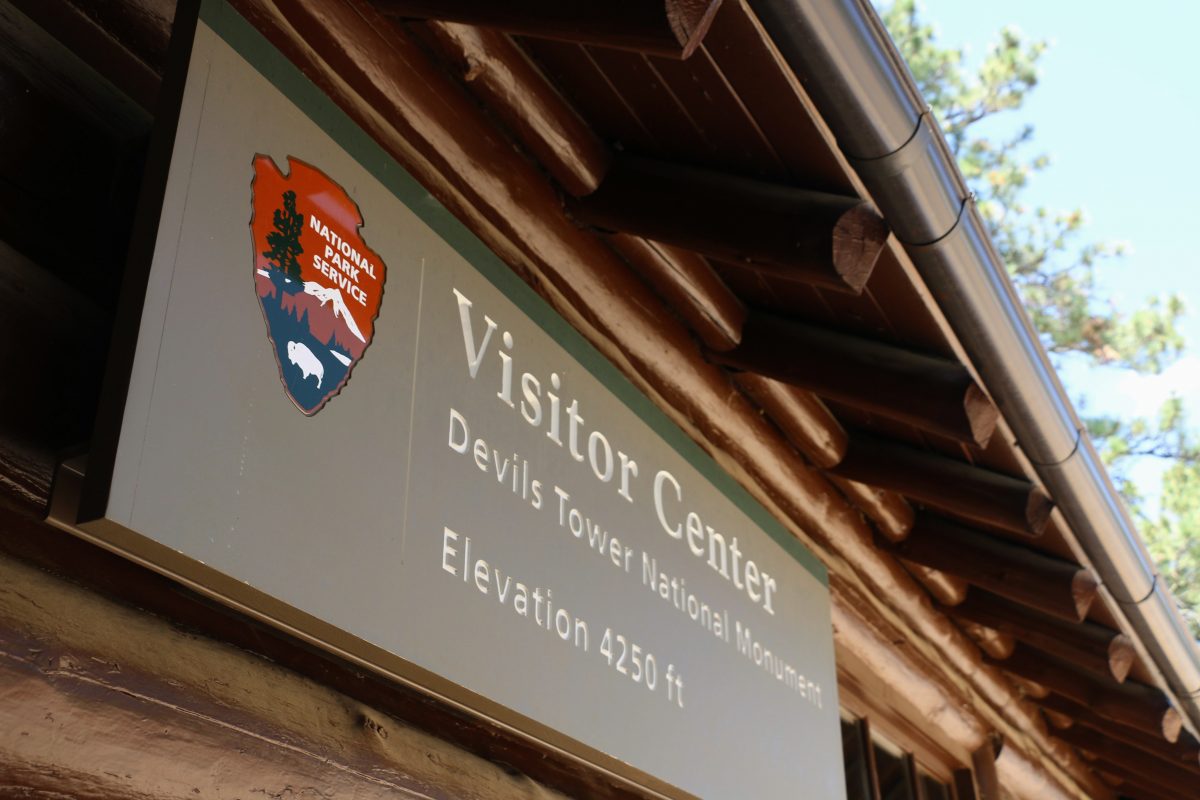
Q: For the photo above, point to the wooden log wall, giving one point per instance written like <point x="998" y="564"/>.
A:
<point x="435" y="127"/>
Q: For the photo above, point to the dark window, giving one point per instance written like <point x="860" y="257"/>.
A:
<point x="931" y="789"/>
<point x="857" y="760"/>
<point x="894" y="769"/>
<point x="878" y="770"/>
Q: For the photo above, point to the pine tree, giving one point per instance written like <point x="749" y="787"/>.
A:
<point x="1055" y="274"/>
<point x="285" y="239"/>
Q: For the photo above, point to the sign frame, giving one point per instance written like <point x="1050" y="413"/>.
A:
<point x="81" y="492"/>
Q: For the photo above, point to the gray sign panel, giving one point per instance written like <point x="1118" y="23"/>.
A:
<point x="486" y="504"/>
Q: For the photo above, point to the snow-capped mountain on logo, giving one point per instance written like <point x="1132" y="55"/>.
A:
<point x="319" y="284"/>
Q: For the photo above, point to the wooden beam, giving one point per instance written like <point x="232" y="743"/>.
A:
<point x="949" y="590"/>
<point x="932" y="479"/>
<point x="891" y="513"/>
<point x="991" y="641"/>
<point x="102" y="700"/>
<point x="1051" y="585"/>
<point x="1141" y="784"/>
<point x="802" y="417"/>
<point x="983" y="766"/>
<point x="816" y="432"/>
<point x="1185" y="751"/>
<point x="669" y="28"/>
<point x="964" y="785"/>
<point x="825" y="239"/>
<point x="1131" y="703"/>
<point x="690" y="285"/>
<point x="934" y="394"/>
<point x="1086" y="644"/>
<point x="513" y="88"/>
<point x="1110" y="751"/>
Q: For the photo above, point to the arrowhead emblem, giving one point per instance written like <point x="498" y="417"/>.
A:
<point x="319" y="284"/>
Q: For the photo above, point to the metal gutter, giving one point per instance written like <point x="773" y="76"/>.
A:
<point x="865" y="93"/>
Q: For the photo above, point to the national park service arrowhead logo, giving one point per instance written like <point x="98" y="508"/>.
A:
<point x="319" y="284"/>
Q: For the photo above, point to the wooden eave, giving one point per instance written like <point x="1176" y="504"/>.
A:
<point x="507" y="131"/>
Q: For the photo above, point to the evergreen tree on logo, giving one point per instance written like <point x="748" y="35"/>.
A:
<point x="285" y="239"/>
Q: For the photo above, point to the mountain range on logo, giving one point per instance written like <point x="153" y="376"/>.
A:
<point x="321" y="308"/>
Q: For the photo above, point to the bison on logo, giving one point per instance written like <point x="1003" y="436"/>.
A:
<point x="319" y="284"/>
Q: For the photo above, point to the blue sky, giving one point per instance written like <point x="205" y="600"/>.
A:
<point x="1117" y="109"/>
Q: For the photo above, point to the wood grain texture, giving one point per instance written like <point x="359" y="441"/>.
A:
<point x="1133" y="704"/>
<point x="501" y="75"/>
<point x="97" y="700"/>
<point x="814" y="237"/>
<point x="672" y="28"/>
<point x="1053" y="586"/>
<point x="1111" y="753"/>
<point x="930" y="393"/>
<point x="1086" y="644"/>
<point x="951" y="485"/>
<point x="689" y="284"/>
<point x="1185" y="751"/>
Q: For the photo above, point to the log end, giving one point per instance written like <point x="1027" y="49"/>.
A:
<point x="1084" y="587"/>
<point x="951" y="591"/>
<point x="1057" y="720"/>
<point x="890" y="512"/>
<point x="803" y="418"/>
<point x="1172" y="724"/>
<point x="1037" y="511"/>
<point x="690" y="21"/>
<point x="982" y="414"/>
<point x="689" y="284"/>
<point x="1120" y="657"/>
<point x="995" y="644"/>
<point x="858" y="238"/>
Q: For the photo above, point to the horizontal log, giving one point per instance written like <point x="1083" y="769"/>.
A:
<point x="933" y="479"/>
<point x="1051" y="585"/>
<point x="825" y="239"/>
<point x="930" y="393"/>
<point x="1028" y="687"/>
<point x="1111" y="751"/>
<point x="802" y="417"/>
<point x="816" y="433"/>
<point x="104" y="700"/>
<point x="1185" y="751"/>
<point x="1139" y="784"/>
<point x="983" y="764"/>
<point x="891" y="513"/>
<point x="1086" y="644"/>
<point x="670" y="28"/>
<point x="991" y="641"/>
<point x="514" y="89"/>
<point x="947" y="589"/>
<point x="1130" y="703"/>
<point x="691" y="286"/>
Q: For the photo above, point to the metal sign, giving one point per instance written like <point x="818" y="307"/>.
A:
<point x="419" y="466"/>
